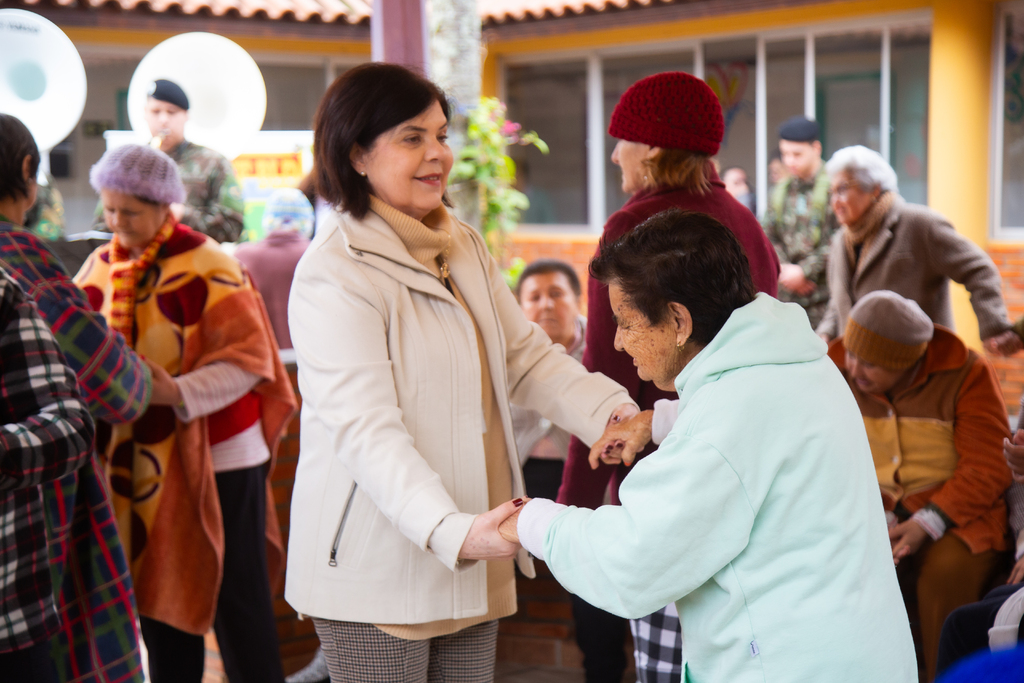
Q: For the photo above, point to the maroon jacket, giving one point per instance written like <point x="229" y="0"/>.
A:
<point x="271" y="264"/>
<point x="585" y="487"/>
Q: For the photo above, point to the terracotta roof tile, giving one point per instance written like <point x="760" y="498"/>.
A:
<point x="355" y="11"/>
<point x="327" y="11"/>
<point x="501" y="11"/>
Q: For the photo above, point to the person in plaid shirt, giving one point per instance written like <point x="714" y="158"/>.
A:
<point x="98" y="640"/>
<point x="47" y="432"/>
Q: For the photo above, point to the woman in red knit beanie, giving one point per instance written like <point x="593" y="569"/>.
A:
<point x="668" y="127"/>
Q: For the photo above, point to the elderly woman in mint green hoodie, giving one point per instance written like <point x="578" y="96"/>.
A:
<point x="759" y="514"/>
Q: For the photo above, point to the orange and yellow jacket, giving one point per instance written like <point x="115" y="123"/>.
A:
<point x="940" y="441"/>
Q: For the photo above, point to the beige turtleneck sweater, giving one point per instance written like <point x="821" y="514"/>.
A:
<point x="427" y="242"/>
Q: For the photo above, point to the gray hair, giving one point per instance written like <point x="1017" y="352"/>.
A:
<point x="865" y="166"/>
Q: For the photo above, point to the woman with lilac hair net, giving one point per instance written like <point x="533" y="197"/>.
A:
<point x="287" y="226"/>
<point x="189" y="478"/>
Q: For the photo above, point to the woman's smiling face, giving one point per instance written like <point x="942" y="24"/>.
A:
<point x="407" y="166"/>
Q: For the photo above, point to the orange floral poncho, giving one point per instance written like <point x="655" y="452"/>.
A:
<point x="194" y="306"/>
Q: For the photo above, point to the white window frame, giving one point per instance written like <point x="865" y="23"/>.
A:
<point x="998" y="231"/>
<point x="811" y="33"/>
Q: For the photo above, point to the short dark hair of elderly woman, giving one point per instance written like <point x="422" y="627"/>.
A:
<point x="682" y="256"/>
<point x="550" y="265"/>
<point x="361" y="104"/>
<point x="16" y="143"/>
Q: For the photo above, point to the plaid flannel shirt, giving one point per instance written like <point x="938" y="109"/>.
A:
<point x="47" y="432"/>
<point x="98" y="641"/>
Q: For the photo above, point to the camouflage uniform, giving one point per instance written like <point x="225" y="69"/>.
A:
<point x="800" y="224"/>
<point x="46" y="217"/>
<point x="214" y="203"/>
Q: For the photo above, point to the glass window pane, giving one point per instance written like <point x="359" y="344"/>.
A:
<point x="911" y="49"/>
<point x="729" y="68"/>
<point x="293" y="93"/>
<point x="552" y="100"/>
<point x="848" y="71"/>
<point x="1013" y="123"/>
<point x="619" y="74"/>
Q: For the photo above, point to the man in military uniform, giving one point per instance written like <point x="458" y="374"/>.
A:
<point x="46" y="217"/>
<point x="799" y="221"/>
<point x="214" y="203"/>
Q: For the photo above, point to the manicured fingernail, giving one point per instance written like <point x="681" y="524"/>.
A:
<point x="518" y="502"/>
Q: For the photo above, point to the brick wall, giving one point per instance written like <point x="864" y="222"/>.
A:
<point x="541" y="632"/>
<point x="297" y="637"/>
<point x="575" y="249"/>
<point x="1009" y="258"/>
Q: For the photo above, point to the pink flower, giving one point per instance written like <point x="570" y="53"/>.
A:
<point x="510" y="128"/>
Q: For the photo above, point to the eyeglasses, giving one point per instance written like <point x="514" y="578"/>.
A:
<point x="842" y="190"/>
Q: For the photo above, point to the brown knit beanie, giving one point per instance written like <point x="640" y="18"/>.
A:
<point x="887" y="330"/>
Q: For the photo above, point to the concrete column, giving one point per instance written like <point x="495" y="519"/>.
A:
<point x="398" y="33"/>
<point x="959" y="102"/>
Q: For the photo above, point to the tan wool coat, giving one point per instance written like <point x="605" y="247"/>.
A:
<point x="915" y="254"/>
<point x="391" y="469"/>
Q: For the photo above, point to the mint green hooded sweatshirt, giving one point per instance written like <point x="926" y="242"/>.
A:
<point x="759" y="516"/>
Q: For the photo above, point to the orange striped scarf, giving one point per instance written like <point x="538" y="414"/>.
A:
<point x="124" y="275"/>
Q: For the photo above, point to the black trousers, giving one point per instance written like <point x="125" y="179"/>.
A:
<point x="965" y="630"/>
<point x="542" y="477"/>
<point x="28" y="665"/>
<point x="602" y="639"/>
<point x="245" y="627"/>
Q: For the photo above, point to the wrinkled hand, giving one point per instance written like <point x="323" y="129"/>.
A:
<point x="1017" y="573"/>
<point x="1013" y="451"/>
<point x="509" y="528"/>
<point x="1004" y="344"/>
<point x="165" y="389"/>
<point x="621" y="441"/>
<point x="791" y="277"/>
<point x="906" y="539"/>
<point x="484" y="541"/>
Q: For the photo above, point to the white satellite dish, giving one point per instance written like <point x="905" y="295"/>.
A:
<point x="42" y="78"/>
<point x="226" y="92"/>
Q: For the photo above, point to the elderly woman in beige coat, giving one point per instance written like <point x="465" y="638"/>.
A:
<point x="887" y="243"/>
<point x="410" y="347"/>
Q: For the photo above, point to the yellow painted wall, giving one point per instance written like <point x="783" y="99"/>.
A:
<point x="489" y="75"/>
<point x="959" y="107"/>
<point x="326" y="48"/>
<point x="746" y="22"/>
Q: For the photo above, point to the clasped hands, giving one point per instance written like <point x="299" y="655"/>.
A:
<point x="494" y="535"/>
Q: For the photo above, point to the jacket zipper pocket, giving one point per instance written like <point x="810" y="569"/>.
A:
<point x="341" y="527"/>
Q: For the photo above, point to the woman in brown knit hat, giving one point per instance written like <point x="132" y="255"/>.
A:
<point x="668" y="127"/>
<point x="936" y="421"/>
<point x="887" y="243"/>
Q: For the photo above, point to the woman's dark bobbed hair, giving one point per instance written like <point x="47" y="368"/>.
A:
<point x="682" y="256"/>
<point x="16" y="143"/>
<point x="361" y="104"/>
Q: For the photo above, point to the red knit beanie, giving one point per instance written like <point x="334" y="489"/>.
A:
<point x="672" y="110"/>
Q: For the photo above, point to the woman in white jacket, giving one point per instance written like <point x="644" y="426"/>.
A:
<point x="410" y="347"/>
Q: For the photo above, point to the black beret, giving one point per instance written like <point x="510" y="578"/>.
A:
<point x="168" y="91"/>
<point x="799" y="129"/>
